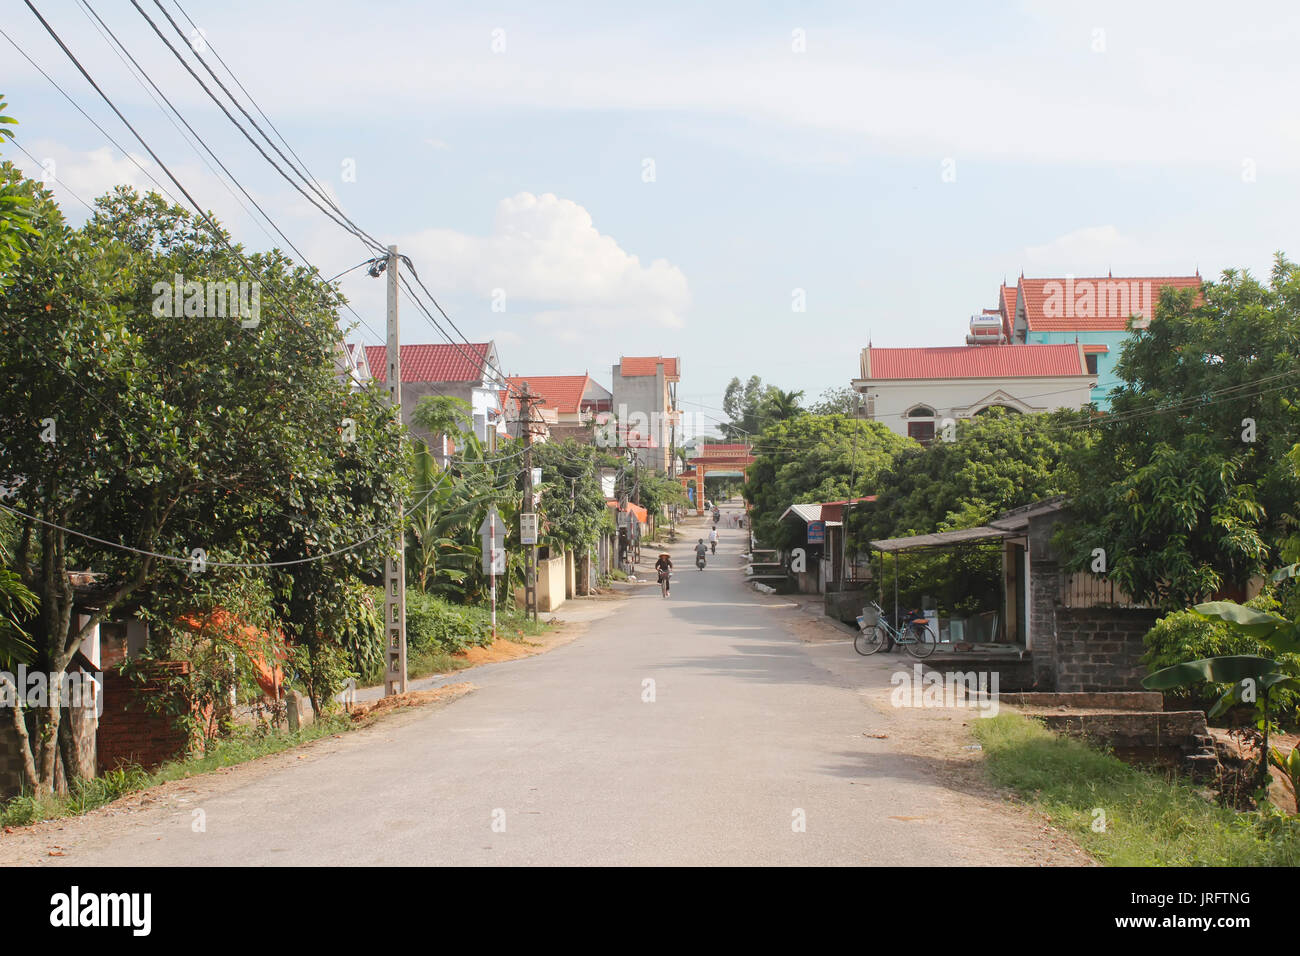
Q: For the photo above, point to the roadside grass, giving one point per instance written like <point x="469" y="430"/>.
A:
<point x="86" y="795"/>
<point x="1149" y="820"/>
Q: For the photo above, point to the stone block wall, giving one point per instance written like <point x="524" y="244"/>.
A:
<point x="1099" y="648"/>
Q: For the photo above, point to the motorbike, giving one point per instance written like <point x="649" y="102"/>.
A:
<point x="699" y="561"/>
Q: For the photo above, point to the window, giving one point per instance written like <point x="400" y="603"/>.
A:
<point x="921" y="431"/>
<point x="1091" y="359"/>
<point x="921" y="411"/>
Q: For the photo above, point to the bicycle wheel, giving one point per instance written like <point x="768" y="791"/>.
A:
<point x="922" y="641"/>
<point x="869" y="641"/>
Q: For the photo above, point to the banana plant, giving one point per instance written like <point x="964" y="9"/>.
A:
<point x="1250" y="679"/>
<point x="1289" y="765"/>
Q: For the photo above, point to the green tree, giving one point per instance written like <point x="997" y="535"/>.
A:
<point x="178" y="434"/>
<point x="841" y="400"/>
<point x="779" y="406"/>
<point x="815" y="458"/>
<point x="1190" y="480"/>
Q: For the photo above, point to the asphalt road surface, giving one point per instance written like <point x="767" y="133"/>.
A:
<point x="693" y="730"/>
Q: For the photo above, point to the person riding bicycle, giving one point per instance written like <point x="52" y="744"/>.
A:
<point x="713" y="540"/>
<point x="665" y="566"/>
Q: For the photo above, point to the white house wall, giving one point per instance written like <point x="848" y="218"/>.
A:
<point x="962" y="398"/>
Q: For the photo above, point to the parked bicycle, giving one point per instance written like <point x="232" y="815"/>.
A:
<point x="915" y="633"/>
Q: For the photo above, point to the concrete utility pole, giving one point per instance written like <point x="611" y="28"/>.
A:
<point x="395" y="563"/>
<point x="530" y="550"/>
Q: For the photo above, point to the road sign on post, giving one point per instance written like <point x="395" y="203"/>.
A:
<point x="493" y="534"/>
<point x="528" y="528"/>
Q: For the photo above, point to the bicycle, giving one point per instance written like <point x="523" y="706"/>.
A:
<point x="916" y="636"/>
<point x="663" y="582"/>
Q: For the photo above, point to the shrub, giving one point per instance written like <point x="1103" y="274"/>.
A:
<point x="1183" y="636"/>
<point x="433" y="624"/>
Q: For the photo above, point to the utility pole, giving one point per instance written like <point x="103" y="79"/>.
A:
<point x="395" y="563"/>
<point x="530" y="550"/>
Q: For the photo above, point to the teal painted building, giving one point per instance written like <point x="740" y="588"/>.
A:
<point x="1094" y="312"/>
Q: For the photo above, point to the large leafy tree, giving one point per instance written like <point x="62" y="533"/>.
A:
<point x="998" y="460"/>
<point x="1190" y="482"/>
<point x="183" y="436"/>
<point x="815" y="458"/>
<point x="572" y="503"/>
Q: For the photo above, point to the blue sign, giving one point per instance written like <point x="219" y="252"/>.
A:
<point x="816" y="532"/>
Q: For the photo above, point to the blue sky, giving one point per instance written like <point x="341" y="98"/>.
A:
<point x="796" y="146"/>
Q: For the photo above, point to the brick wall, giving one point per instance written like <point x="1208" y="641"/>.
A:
<point x="1098" y="648"/>
<point x="130" y="732"/>
<point x="1042" y="621"/>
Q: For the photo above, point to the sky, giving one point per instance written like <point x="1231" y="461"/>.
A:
<point x="758" y="189"/>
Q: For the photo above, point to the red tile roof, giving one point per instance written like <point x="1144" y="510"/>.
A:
<point x="721" y="448"/>
<point x="560" y="392"/>
<point x="1089" y="348"/>
<point x="434" y="363"/>
<point x="648" y="365"/>
<point x="1007" y="306"/>
<point x="976" y="361"/>
<point x="1094" y="304"/>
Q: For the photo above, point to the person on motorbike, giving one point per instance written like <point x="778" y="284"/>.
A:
<point x="665" y="566"/>
<point x="700" y="551"/>
<point x="713" y="540"/>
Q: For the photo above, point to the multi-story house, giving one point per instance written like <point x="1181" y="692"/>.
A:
<point x="645" y="407"/>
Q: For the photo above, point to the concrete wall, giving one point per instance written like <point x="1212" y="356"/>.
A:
<point x="550" y="583"/>
<point x="642" y="400"/>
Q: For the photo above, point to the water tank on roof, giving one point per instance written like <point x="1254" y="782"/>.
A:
<point x="985" y="330"/>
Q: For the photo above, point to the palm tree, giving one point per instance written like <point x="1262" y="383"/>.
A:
<point x="778" y="406"/>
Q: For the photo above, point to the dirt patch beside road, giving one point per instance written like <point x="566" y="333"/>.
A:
<point x="937" y="742"/>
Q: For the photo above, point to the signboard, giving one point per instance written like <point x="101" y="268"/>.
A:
<point x="495" y="529"/>
<point x="816" y="532"/>
<point x="527" y="528"/>
<point x="493" y="534"/>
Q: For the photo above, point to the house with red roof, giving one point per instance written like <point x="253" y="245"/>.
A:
<point x="469" y="371"/>
<point x="917" y="391"/>
<point x="644" y="390"/>
<point x="1094" y="312"/>
<point x="570" y="404"/>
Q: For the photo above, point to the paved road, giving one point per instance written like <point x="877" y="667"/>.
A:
<point x="748" y="731"/>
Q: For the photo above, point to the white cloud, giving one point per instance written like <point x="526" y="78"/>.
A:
<point x="545" y="255"/>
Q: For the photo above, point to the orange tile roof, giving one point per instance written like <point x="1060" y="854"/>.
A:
<point x="1007" y="306"/>
<point x="435" y="363"/>
<point x="630" y="366"/>
<point x="560" y="392"/>
<point x="976" y="361"/>
<point x="1094" y="304"/>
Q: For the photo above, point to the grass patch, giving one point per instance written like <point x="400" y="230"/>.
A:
<point x="1150" y="820"/>
<point x="86" y="795"/>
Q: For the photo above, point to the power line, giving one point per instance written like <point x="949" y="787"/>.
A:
<point x="373" y="244"/>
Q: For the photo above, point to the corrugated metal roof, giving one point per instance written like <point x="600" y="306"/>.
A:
<point x="941" y="539"/>
<point x="804" y="512"/>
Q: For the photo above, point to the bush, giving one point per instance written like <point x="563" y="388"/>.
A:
<point x="1184" y="636"/>
<point x="433" y="624"/>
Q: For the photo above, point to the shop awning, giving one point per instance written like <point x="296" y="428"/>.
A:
<point x="942" y="539"/>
